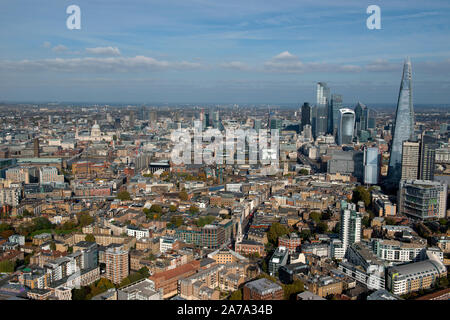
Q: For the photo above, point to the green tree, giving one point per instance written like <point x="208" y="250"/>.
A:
<point x="144" y="271"/>
<point x="389" y="221"/>
<point x="361" y="194"/>
<point x="305" y="234"/>
<point x="42" y="223"/>
<point x="85" y="219"/>
<point x="236" y="295"/>
<point x="89" y="238"/>
<point x="291" y="290"/>
<point x="315" y="216"/>
<point x="303" y="172"/>
<point x="156" y="208"/>
<point x="123" y="195"/>
<point x="176" y="221"/>
<point x="7" y="266"/>
<point x="193" y="209"/>
<point x="53" y="245"/>
<point x="276" y="230"/>
<point x="172" y="208"/>
<point x="366" y="221"/>
<point x="183" y="195"/>
<point x="322" y="227"/>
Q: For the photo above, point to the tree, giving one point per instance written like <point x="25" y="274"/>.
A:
<point x="322" y="227"/>
<point x="7" y="266"/>
<point x="315" y="216"/>
<point x="144" y="271"/>
<point x="389" y="221"/>
<point x="305" y="234"/>
<point x="366" y="221"/>
<point x="123" y="195"/>
<point x="291" y="290"/>
<point x="53" y="245"/>
<point x="85" y="219"/>
<point x="183" y="195"/>
<point x="42" y="223"/>
<point x="193" y="209"/>
<point x="236" y="295"/>
<point x="173" y="208"/>
<point x="361" y="194"/>
<point x="276" y="230"/>
<point x="303" y="172"/>
<point x="124" y="282"/>
<point x="155" y="208"/>
<point x="202" y="221"/>
<point x="176" y="221"/>
<point x="89" y="238"/>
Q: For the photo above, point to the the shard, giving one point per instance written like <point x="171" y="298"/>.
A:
<point x="403" y="126"/>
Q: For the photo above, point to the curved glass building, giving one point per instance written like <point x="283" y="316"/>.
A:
<point x="346" y="125"/>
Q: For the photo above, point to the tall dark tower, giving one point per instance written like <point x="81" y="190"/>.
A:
<point x="403" y="125"/>
<point x="306" y="115"/>
<point x="428" y="146"/>
<point x="36" y="147"/>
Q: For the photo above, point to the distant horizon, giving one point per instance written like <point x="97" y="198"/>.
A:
<point x="238" y="50"/>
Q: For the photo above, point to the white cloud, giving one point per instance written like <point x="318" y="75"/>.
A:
<point x="106" y="51"/>
<point x="236" y="65"/>
<point x="102" y="65"/>
<point x="60" y="48"/>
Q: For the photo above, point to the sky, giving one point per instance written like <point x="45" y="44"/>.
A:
<point x="233" y="51"/>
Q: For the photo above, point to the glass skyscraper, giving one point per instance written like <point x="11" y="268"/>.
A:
<point x="403" y="125"/>
<point x="371" y="165"/>
<point x="333" y="113"/>
<point x="346" y="125"/>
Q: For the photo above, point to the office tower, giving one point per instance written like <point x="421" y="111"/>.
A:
<point x="307" y="132"/>
<point x="116" y="260"/>
<point x="152" y="118"/>
<point x="335" y="105"/>
<point x="319" y="120"/>
<point x="350" y="224"/>
<point x="422" y="199"/>
<point x="428" y="148"/>
<point x="142" y="113"/>
<point x="207" y="120"/>
<point x="117" y="123"/>
<point x="370" y="119"/>
<point x="320" y="111"/>
<point x="276" y="123"/>
<point x="257" y="125"/>
<point x="202" y="117"/>
<point x="322" y="94"/>
<point x="403" y="125"/>
<point x="371" y="165"/>
<point x="306" y="115"/>
<point x="443" y="128"/>
<point x="132" y="119"/>
<point x="360" y="117"/>
<point x="36" y="147"/>
<point x="346" y="125"/>
<point x="410" y="160"/>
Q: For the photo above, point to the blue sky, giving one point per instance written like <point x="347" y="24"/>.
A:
<point x="242" y="51"/>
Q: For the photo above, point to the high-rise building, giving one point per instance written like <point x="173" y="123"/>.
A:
<point x="322" y="94"/>
<point x="152" y="118"/>
<point x="306" y="115"/>
<point x="346" y="125"/>
<point x="333" y="113"/>
<point x="360" y="117"/>
<point x="371" y="165"/>
<point x="403" y="126"/>
<point x="428" y="148"/>
<point x="36" y="147"/>
<point x="276" y="124"/>
<point x="350" y="224"/>
<point x="422" y="199"/>
<point x="320" y="111"/>
<point x="116" y="260"/>
<point x="410" y="160"/>
<point x="257" y="124"/>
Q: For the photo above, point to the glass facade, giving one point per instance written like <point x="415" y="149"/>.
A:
<point x="346" y="126"/>
<point x="403" y="125"/>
